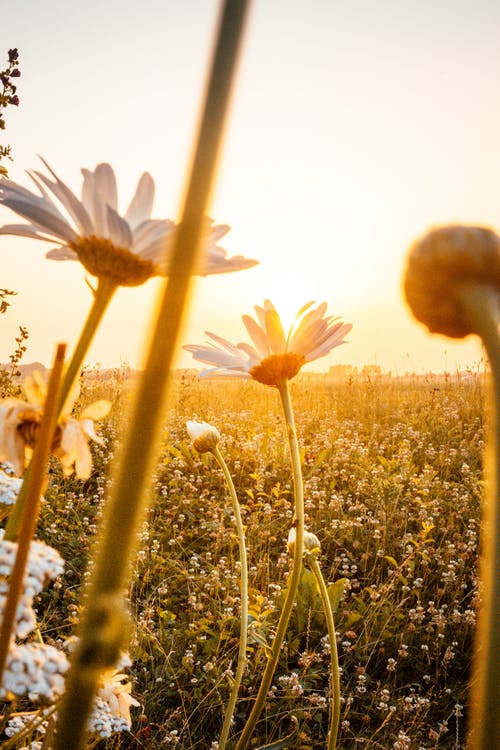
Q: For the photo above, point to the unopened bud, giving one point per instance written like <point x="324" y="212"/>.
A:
<point x="438" y="266"/>
<point x="204" y="436"/>
<point x="311" y="542"/>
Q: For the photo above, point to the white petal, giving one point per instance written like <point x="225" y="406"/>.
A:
<point x="118" y="230"/>
<point x="61" y="253"/>
<point x="105" y="185"/>
<point x="43" y="217"/>
<point x="257" y="335"/>
<point x="141" y="204"/>
<point x="69" y="200"/>
<point x="97" y="410"/>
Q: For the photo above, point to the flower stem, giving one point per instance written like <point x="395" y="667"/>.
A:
<point x="103" y="624"/>
<point x="102" y="297"/>
<point x="244" y="601"/>
<point x="312" y="561"/>
<point x="294" y="578"/>
<point x="34" y="488"/>
<point x="482" y="306"/>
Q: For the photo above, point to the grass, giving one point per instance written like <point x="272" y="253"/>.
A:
<point x="393" y="486"/>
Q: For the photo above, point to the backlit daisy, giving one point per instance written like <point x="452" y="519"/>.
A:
<point x="273" y="357"/>
<point x="126" y="250"/>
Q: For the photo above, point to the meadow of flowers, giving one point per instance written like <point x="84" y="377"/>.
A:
<point x="279" y="561"/>
<point x="393" y="483"/>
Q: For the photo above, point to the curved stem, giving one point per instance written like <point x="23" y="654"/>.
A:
<point x="294" y="578"/>
<point x="28" y="521"/>
<point x="102" y="297"/>
<point x="312" y="561"/>
<point x="240" y="667"/>
<point x="483" y="308"/>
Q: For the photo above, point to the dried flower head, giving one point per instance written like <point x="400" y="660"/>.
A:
<point x="204" y="436"/>
<point x="126" y="250"/>
<point x="274" y="357"/>
<point x="439" y="264"/>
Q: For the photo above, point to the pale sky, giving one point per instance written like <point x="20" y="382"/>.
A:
<point x="355" y="126"/>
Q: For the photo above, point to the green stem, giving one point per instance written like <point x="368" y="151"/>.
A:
<point x="240" y="667"/>
<point x="34" y="489"/>
<point x="294" y="578"/>
<point x="104" y="620"/>
<point x="102" y="297"/>
<point x="482" y="305"/>
<point x="312" y="561"/>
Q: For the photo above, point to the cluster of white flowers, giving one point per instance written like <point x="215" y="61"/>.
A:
<point x="44" y="564"/>
<point x="35" y="670"/>
<point x="9" y="488"/>
<point x="31" y="669"/>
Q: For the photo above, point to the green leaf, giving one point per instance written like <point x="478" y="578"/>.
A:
<point x="335" y="591"/>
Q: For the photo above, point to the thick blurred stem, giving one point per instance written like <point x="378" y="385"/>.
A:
<point x="240" y="667"/>
<point x="103" y="625"/>
<point x="102" y="297"/>
<point x="34" y="488"/>
<point x="334" y="658"/>
<point x="294" y="578"/>
<point x="482" y="304"/>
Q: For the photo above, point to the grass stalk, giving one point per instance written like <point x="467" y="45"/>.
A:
<point x="482" y="305"/>
<point x="313" y="563"/>
<point x="240" y="666"/>
<point x="294" y="578"/>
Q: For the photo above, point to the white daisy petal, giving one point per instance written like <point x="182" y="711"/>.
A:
<point x="118" y="229"/>
<point x="141" y="204"/>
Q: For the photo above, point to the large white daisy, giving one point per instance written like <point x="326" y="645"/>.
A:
<point x="126" y="249"/>
<point x="273" y="357"/>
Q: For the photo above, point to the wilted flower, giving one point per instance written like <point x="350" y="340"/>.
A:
<point x="273" y="357"/>
<point x="19" y="424"/>
<point x="204" y="436"/>
<point x="311" y="542"/>
<point x="438" y="265"/>
<point x="111" y="711"/>
<point x="127" y="250"/>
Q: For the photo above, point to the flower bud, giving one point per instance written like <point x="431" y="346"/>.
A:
<point x="438" y="266"/>
<point x="204" y="436"/>
<point x="311" y="542"/>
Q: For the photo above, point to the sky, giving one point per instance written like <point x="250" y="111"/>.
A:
<point x="354" y="127"/>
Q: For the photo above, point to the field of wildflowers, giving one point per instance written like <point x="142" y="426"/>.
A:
<point x="304" y="577"/>
<point x="393" y="482"/>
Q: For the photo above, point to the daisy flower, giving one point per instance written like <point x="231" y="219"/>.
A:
<point x="127" y="250"/>
<point x="273" y="357"/>
<point x="19" y="424"/>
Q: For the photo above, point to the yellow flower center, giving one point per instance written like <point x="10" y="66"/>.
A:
<point x="29" y="427"/>
<point x="277" y="367"/>
<point x="102" y="258"/>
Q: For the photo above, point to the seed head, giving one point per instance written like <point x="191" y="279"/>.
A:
<point x="438" y="266"/>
